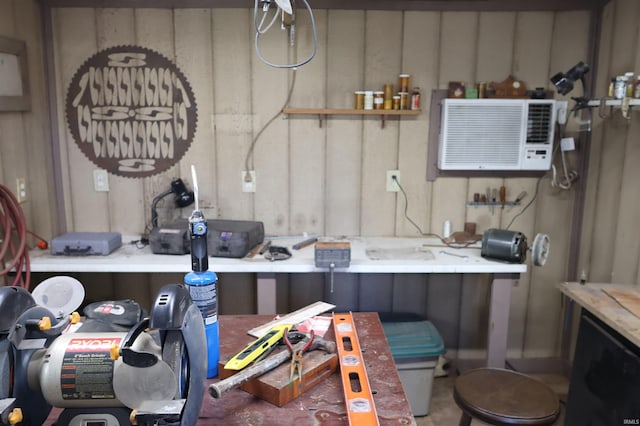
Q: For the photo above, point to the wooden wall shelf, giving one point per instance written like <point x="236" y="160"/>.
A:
<point x="322" y="113"/>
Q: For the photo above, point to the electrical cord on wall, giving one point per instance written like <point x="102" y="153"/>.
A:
<point x="426" y="234"/>
<point x="535" y="195"/>
<point x="248" y="161"/>
<point x="14" y="252"/>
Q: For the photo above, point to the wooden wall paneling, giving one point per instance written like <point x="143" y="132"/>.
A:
<point x="532" y="46"/>
<point x="39" y="185"/>
<point x="236" y="292"/>
<point x="155" y="29"/>
<point x="375" y="293"/>
<point x="345" y="293"/>
<point x="233" y="54"/>
<point x="473" y="314"/>
<point x="379" y="150"/>
<point x="305" y="289"/>
<point x="598" y="142"/>
<point x="420" y="41"/>
<point x="345" y="74"/>
<point x="63" y="70"/>
<point x="410" y="293"/>
<point x="306" y="139"/>
<point x="380" y="146"/>
<point x="7" y="24"/>
<point x="91" y="209"/>
<point x="194" y="51"/>
<point x="554" y="208"/>
<point x="627" y="247"/>
<point x="115" y="27"/>
<point x="612" y="154"/>
<point x="457" y="62"/>
<point x="443" y="307"/>
<point x="271" y="154"/>
<point x="231" y="121"/>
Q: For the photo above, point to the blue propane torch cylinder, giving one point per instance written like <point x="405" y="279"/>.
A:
<point x="202" y="288"/>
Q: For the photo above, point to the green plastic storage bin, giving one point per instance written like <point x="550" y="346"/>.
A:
<point x="415" y="346"/>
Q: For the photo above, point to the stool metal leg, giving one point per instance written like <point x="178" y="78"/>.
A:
<point x="465" y="419"/>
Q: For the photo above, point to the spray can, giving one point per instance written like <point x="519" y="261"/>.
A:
<point x="202" y="285"/>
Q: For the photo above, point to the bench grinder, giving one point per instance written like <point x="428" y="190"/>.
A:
<point x="152" y="374"/>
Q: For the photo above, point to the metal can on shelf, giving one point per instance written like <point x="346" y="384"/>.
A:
<point x="415" y="98"/>
<point x="396" y="102"/>
<point x="358" y="99"/>
<point x="404" y="100"/>
<point x="388" y="96"/>
<point x="378" y="100"/>
<point x="403" y="82"/>
<point x="482" y="90"/>
<point x="368" y="99"/>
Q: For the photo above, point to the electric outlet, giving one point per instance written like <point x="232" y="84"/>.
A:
<point x="248" y="179"/>
<point x="393" y="179"/>
<point x="21" y="190"/>
<point x="100" y="180"/>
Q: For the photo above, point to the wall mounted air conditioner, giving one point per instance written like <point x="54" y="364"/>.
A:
<point x="496" y="134"/>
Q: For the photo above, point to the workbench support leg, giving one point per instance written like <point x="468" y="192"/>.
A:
<point x="499" y="319"/>
<point x="266" y="292"/>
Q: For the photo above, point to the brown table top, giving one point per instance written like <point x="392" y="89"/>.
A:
<point x="324" y="403"/>
<point x="592" y="296"/>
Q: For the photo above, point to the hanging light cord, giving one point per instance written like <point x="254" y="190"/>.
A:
<point x="261" y="30"/>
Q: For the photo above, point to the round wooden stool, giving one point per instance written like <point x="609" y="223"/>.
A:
<point x="504" y="397"/>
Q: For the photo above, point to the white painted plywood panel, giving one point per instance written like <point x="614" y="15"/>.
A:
<point x="90" y="210"/>
<point x="380" y="146"/>
<point x="271" y="154"/>
<point x="532" y="44"/>
<point x="193" y="44"/>
<point x="115" y="27"/>
<point x="554" y="209"/>
<point x="233" y="119"/>
<point x="421" y="45"/>
<point x="345" y="74"/>
<point x="306" y="138"/>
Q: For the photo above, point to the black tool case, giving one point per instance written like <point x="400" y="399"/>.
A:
<point x="86" y="243"/>
<point x="233" y="238"/>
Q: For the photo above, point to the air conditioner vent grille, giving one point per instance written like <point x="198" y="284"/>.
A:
<point x="539" y="123"/>
<point x="475" y="135"/>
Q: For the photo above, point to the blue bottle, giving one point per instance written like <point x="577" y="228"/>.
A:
<point x="202" y="285"/>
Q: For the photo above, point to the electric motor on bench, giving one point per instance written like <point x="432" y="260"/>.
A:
<point x="511" y="246"/>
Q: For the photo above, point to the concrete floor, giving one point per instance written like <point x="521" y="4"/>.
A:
<point x="443" y="410"/>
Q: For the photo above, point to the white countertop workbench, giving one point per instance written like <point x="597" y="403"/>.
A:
<point x="368" y="255"/>
<point x="390" y="255"/>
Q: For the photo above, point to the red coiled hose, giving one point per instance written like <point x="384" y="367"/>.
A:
<point x="14" y="252"/>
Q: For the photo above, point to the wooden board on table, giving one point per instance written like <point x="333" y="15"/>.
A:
<point x="276" y="387"/>
<point x="629" y="299"/>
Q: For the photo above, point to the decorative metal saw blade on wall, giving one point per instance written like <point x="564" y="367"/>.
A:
<point x="131" y="111"/>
